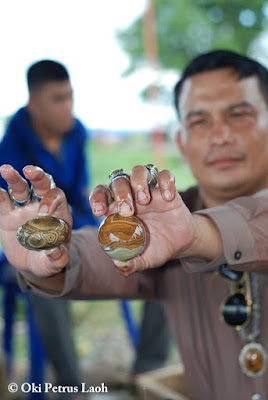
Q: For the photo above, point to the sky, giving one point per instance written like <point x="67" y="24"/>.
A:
<point x="80" y="34"/>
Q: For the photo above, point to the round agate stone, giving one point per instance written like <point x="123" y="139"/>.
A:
<point x="122" y="238"/>
<point x="253" y="359"/>
<point x="42" y="233"/>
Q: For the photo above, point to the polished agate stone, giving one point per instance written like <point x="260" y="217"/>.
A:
<point x="122" y="238"/>
<point x="253" y="359"/>
<point x="42" y="233"/>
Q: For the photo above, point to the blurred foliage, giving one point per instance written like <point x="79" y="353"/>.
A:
<point x="185" y="28"/>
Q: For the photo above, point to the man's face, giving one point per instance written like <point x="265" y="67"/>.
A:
<point x="224" y="134"/>
<point x="51" y="107"/>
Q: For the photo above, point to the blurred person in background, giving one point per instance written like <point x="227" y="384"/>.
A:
<point x="45" y="133"/>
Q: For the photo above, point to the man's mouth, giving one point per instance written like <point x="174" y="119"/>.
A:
<point x="224" y="160"/>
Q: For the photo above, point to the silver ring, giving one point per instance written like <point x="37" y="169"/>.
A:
<point x="34" y="196"/>
<point x="153" y="175"/>
<point x="118" y="173"/>
<point x="19" y="203"/>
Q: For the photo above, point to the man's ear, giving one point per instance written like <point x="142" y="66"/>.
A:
<point x="181" y="144"/>
<point x="31" y="102"/>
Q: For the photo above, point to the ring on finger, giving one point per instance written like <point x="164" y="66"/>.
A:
<point x="153" y="175"/>
<point x="35" y="196"/>
<point x="19" y="203"/>
<point x="118" y="173"/>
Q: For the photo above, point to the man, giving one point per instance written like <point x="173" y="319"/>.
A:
<point x="222" y="103"/>
<point x="45" y="133"/>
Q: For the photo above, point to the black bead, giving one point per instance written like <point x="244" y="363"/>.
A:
<point x="237" y="255"/>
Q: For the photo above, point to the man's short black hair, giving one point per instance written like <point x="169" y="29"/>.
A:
<point x="45" y="71"/>
<point x="223" y="59"/>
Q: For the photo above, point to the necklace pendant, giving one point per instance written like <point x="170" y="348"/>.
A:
<point x="253" y="360"/>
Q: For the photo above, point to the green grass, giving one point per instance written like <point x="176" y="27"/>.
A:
<point x="104" y="155"/>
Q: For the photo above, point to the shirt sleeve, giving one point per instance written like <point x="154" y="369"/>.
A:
<point x="91" y="274"/>
<point x="243" y="227"/>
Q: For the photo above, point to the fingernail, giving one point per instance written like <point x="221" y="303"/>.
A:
<point x="167" y="194"/>
<point x="141" y="196"/>
<point x="43" y="210"/>
<point x="124" y="209"/>
<point x="121" y="264"/>
<point x="53" y="253"/>
<point x="98" y="208"/>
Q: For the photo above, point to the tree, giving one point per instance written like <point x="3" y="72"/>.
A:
<point x="185" y="28"/>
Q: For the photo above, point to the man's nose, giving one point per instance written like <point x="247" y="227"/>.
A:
<point x="221" y="133"/>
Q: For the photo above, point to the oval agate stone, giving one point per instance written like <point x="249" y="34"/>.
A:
<point x="122" y="238"/>
<point x="42" y="233"/>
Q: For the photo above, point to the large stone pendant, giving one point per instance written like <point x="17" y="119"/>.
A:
<point x="253" y="360"/>
<point x="122" y="238"/>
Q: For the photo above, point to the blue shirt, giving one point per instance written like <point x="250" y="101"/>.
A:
<point x="21" y="146"/>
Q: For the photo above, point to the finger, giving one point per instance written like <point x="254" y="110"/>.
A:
<point x="166" y="182"/>
<point x="140" y="177"/>
<point x="5" y="203"/>
<point x="38" y="178"/>
<point x="123" y="196"/>
<point x="19" y="186"/>
<point x="129" y="267"/>
<point x="124" y="268"/>
<point x="57" y="259"/>
<point x="54" y="203"/>
<point x="99" y="199"/>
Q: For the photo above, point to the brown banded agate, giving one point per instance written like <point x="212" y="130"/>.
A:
<point x="122" y="238"/>
<point x="42" y="233"/>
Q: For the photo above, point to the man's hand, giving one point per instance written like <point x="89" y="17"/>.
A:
<point x="41" y="263"/>
<point x="172" y="231"/>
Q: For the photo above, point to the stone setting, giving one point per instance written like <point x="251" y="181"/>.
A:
<point x="253" y="360"/>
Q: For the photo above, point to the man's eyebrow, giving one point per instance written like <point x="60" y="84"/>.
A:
<point x="194" y="114"/>
<point x="242" y="104"/>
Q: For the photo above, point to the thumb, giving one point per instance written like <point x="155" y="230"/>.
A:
<point x="127" y="268"/>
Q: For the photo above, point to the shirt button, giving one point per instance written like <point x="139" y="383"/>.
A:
<point x="237" y="255"/>
<point x="256" y="397"/>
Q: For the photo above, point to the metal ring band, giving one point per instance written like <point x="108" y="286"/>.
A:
<point x="118" y="173"/>
<point x="153" y="175"/>
<point x="19" y="203"/>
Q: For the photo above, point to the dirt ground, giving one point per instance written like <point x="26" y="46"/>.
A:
<point x="103" y="345"/>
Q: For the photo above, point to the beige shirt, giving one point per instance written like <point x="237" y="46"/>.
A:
<point x="192" y="293"/>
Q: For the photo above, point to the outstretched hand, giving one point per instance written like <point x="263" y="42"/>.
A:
<point x="41" y="263"/>
<point x="170" y="227"/>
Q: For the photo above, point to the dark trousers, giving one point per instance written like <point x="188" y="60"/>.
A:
<point x="53" y="322"/>
<point x="153" y="347"/>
